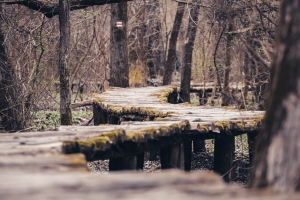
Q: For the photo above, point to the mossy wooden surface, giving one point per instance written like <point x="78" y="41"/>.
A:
<point x="223" y="125"/>
<point x="171" y="122"/>
<point x="170" y="119"/>
<point x="151" y="102"/>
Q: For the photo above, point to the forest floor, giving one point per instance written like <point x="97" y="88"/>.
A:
<point x="200" y="161"/>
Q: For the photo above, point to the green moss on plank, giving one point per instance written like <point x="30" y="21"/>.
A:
<point x="136" y="136"/>
<point x="98" y="100"/>
<point x="164" y="131"/>
<point x="150" y="132"/>
<point x="175" y="128"/>
<point x="184" y="125"/>
<point x="163" y="96"/>
<point x="223" y="125"/>
<point x="115" y="135"/>
<point x="152" y="113"/>
<point x="240" y="125"/>
<point x="129" y="110"/>
<point x="115" y="110"/>
<point x="204" y="128"/>
<point x="101" y="143"/>
<point x="259" y="118"/>
<point x="86" y="145"/>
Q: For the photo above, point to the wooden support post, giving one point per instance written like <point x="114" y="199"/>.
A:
<point x="252" y="137"/>
<point x="176" y="156"/>
<point x="187" y="155"/>
<point x="165" y="157"/>
<point x="172" y="98"/>
<point x="113" y="120"/>
<point x="124" y="163"/>
<point x="100" y="115"/>
<point x="199" y="146"/>
<point x="96" y="114"/>
<point x="140" y="161"/>
<point x="223" y="156"/>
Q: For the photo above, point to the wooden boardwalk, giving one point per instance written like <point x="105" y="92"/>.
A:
<point x="52" y="164"/>
<point x="197" y="123"/>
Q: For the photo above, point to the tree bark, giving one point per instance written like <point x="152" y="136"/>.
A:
<point x="278" y="157"/>
<point x="119" y="69"/>
<point x="171" y="59"/>
<point x="188" y="53"/>
<point x="64" y="62"/>
<point x="12" y="110"/>
<point x="226" y="96"/>
<point x="247" y="78"/>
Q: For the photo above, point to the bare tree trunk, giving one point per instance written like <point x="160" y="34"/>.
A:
<point x="171" y="59"/>
<point x="278" y="157"/>
<point x="64" y="62"/>
<point x="226" y="96"/>
<point x="247" y="77"/>
<point x="119" y="69"/>
<point x="188" y="53"/>
<point x="152" y="28"/>
<point x="11" y="109"/>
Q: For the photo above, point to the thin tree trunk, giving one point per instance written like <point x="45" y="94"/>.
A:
<point x="226" y="97"/>
<point x="188" y="53"/>
<point x="171" y="59"/>
<point x="278" y="157"/>
<point x="153" y="30"/>
<point x="64" y="62"/>
<point x="119" y="69"/>
<point x="246" y="71"/>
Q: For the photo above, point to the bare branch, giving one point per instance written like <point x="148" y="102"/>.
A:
<point x="50" y="8"/>
<point x="189" y="2"/>
<point x="265" y="63"/>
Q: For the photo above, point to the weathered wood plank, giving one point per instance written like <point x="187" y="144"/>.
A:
<point x="175" y="185"/>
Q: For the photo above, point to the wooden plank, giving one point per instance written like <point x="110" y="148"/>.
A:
<point x="169" y="184"/>
<point x="223" y="156"/>
<point x="252" y="139"/>
<point x="187" y="155"/>
<point x="43" y="163"/>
